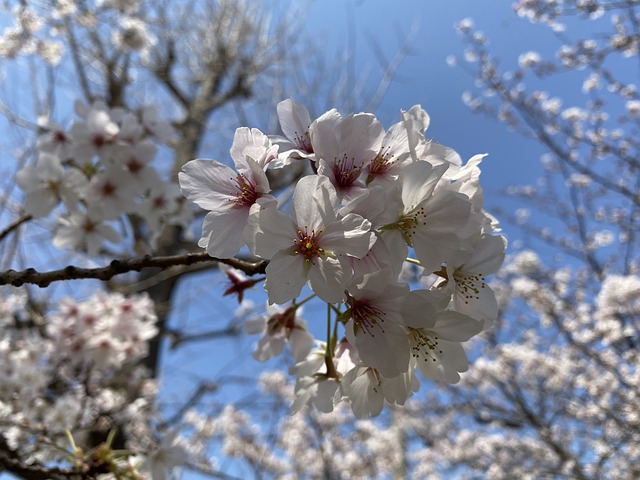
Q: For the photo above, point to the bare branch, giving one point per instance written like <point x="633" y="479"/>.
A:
<point x="178" y="338"/>
<point x="77" y="61"/>
<point x="10" y="462"/>
<point x="11" y="227"/>
<point x="117" y="267"/>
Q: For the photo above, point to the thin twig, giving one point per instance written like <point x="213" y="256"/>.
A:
<point x="178" y="338"/>
<point x="11" y="227"/>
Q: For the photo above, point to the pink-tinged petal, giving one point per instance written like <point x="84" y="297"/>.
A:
<point x="222" y="232"/>
<point x="456" y="327"/>
<point x="376" y="260"/>
<point x="371" y="204"/>
<point x="28" y="179"/>
<point x="436" y="153"/>
<point x="39" y="203"/>
<point x="328" y="278"/>
<point x="286" y="275"/>
<point x="381" y="287"/>
<point x="488" y="255"/>
<point x="432" y="250"/>
<point x="324" y="395"/>
<point x="447" y="212"/>
<point x="208" y="183"/>
<point x="350" y="236"/>
<point x="255" y="174"/>
<point x="288" y="152"/>
<point x="450" y="360"/>
<point x="417" y="118"/>
<point x="398" y="389"/>
<point x="383" y="345"/>
<point x="419" y="179"/>
<point x="253" y="230"/>
<point x="314" y="203"/>
<point x="73" y="185"/>
<point x="300" y="343"/>
<point x="456" y="358"/>
<point x="353" y="192"/>
<point x="252" y="144"/>
<point x="363" y="388"/>
<point x="397" y="247"/>
<point x="361" y="137"/>
<point x="420" y="308"/>
<point x="270" y="231"/>
<point x="396" y="142"/>
<point x="269" y="347"/>
<point x="324" y="136"/>
<point x="294" y="120"/>
<point x="50" y="166"/>
<point x="344" y="177"/>
<point x="241" y="139"/>
<point x="481" y="305"/>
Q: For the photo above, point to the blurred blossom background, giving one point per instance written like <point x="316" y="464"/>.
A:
<point x="546" y="88"/>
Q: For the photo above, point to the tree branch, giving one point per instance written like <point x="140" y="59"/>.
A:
<point x="10" y="462"/>
<point x="178" y="338"/>
<point x="11" y="227"/>
<point x="117" y="267"/>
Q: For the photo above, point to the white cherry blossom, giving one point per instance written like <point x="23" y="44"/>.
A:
<point x="48" y="183"/>
<point x="312" y="245"/>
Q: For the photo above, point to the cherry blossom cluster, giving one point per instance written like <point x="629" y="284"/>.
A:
<point x="106" y="331"/>
<point x="28" y="36"/>
<point x="75" y="372"/>
<point x="99" y="169"/>
<point x="526" y="399"/>
<point x="373" y="202"/>
<point x="40" y="27"/>
<point x="359" y="449"/>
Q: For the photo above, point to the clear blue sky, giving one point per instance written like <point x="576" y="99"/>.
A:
<point x="425" y="78"/>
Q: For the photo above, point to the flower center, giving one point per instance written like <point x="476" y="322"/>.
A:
<point x="134" y="165"/>
<point x="469" y="285"/>
<point x="423" y="346"/>
<point x="307" y="244"/>
<point x="346" y="172"/>
<point x="245" y="193"/>
<point x="285" y="320"/>
<point x="54" y="187"/>
<point x="408" y="223"/>
<point x="108" y="189"/>
<point x="303" y="143"/>
<point x="380" y="164"/>
<point x="366" y="317"/>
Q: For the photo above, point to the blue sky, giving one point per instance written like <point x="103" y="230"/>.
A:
<point x="425" y="78"/>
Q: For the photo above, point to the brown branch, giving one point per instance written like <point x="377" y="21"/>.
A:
<point x="162" y="70"/>
<point x="10" y="462"/>
<point x="78" y="62"/>
<point x="117" y="267"/>
<point x="11" y="227"/>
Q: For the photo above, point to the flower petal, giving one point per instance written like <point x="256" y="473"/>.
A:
<point x="328" y="278"/>
<point x="286" y="276"/>
<point x="222" y="232"/>
<point x="208" y="184"/>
